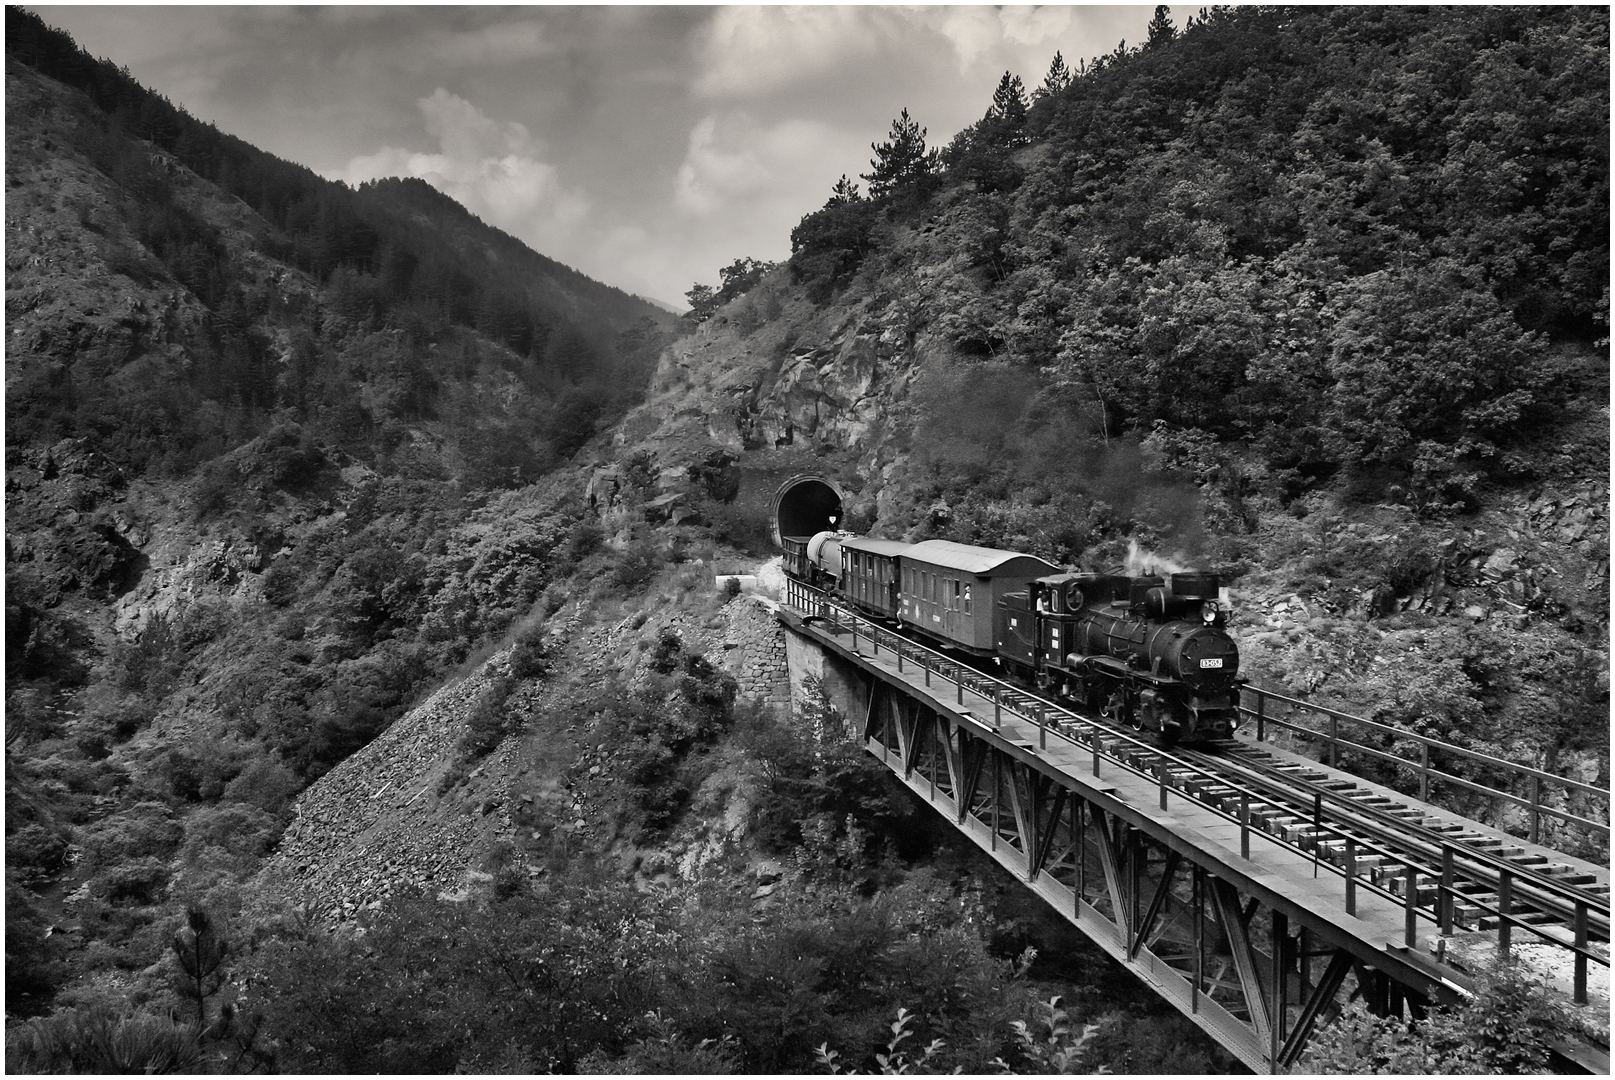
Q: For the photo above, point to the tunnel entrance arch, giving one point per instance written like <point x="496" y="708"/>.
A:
<point x="805" y="504"/>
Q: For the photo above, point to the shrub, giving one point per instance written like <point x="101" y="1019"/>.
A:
<point x="1501" y="1029"/>
<point x="145" y="829"/>
<point x="810" y="773"/>
<point x="265" y="783"/>
<point x="528" y="657"/>
<point x="36" y="848"/>
<point x="140" y="881"/>
<point x="100" y="1041"/>
<point x="280" y="583"/>
<point x="636" y="565"/>
<point x="245" y="833"/>
<point x="488" y="722"/>
<point x="584" y="539"/>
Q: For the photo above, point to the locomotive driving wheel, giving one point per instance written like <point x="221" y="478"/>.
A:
<point x="1116" y="708"/>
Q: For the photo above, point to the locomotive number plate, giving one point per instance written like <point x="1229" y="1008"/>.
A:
<point x="1211" y="663"/>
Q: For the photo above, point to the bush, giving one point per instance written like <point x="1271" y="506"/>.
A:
<point x="280" y="583"/>
<point x="100" y="1041"/>
<point x="244" y="833"/>
<point x="810" y="772"/>
<point x="139" y="881"/>
<point x="636" y="565"/>
<point x="488" y="722"/>
<point x="1501" y="1029"/>
<point x="528" y="658"/>
<point x="265" y="783"/>
<point x="36" y="848"/>
<point x="145" y="829"/>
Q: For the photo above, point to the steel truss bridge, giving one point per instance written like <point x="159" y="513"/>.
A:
<point x="1254" y="889"/>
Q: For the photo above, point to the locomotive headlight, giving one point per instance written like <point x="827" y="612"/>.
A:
<point x="1208" y="611"/>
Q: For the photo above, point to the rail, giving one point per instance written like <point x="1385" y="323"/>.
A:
<point x="1428" y="890"/>
<point x="1333" y="742"/>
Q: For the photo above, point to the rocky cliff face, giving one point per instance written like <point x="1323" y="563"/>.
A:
<point x="738" y="404"/>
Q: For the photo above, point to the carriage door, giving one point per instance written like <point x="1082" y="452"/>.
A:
<point x="950" y="607"/>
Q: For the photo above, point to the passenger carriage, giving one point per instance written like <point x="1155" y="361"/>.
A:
<point x="950" y="591"/>
<point x="870" y="574"/>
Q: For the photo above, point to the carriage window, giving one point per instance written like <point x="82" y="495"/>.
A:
<point x="956" y="593"/>
<point x="967" y="599"/>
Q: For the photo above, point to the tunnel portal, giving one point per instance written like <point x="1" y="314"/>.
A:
<point x="804" y="505"/>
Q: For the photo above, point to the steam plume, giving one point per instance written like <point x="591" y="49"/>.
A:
<point x="1143" y="562"/>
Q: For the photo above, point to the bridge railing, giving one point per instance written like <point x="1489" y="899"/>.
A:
<point x="1332" y="732"/>
<point x="1428" y="889"/>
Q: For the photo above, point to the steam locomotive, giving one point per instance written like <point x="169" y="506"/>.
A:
<point x="1150" y="652"/>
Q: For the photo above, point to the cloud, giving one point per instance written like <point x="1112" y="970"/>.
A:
<point x="733" y="160"/>
<point x="975" y="32"/>
<point x="501" y="43"/>
<point x="466" y="133"/>
<point x="489" y="167"/>
<point x="755" y="49"/>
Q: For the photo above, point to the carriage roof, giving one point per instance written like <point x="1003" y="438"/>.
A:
<point x="981" y="561"/>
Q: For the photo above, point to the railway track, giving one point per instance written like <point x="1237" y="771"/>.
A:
<point x="1446" y="873"/>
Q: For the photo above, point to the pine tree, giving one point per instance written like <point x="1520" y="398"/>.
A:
<point x="845" y="191"/>
<point x="901" y="161"/>
<point x="1161" y="30"/>
<point x="1058" y="78"/>
<point x="1009" y="101"/>
<point x="201" y="952"/>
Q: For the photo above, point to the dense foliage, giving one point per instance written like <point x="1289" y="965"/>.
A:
<point x="1341" y="236"/>
<point x="1502" y="1029"/>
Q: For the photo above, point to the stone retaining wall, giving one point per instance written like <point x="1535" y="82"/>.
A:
<point x="753" y="647"/>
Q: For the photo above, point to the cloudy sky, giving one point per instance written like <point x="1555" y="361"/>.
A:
<point x="645" y="146"/>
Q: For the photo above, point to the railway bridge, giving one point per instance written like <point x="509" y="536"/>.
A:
<point x="1253" y="888"/>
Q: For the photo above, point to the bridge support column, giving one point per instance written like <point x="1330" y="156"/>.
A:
<point x="845" y="687"/>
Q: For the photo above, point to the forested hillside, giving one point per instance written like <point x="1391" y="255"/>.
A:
<point x="1345" y="239"/>
<point x="1315" y="297"/>
<point x="258" y="427"/>
<point x="308" y="297"/>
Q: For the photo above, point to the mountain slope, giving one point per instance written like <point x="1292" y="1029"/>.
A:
<point x="1232" y="296"/>
<point x="259" y="457"/>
